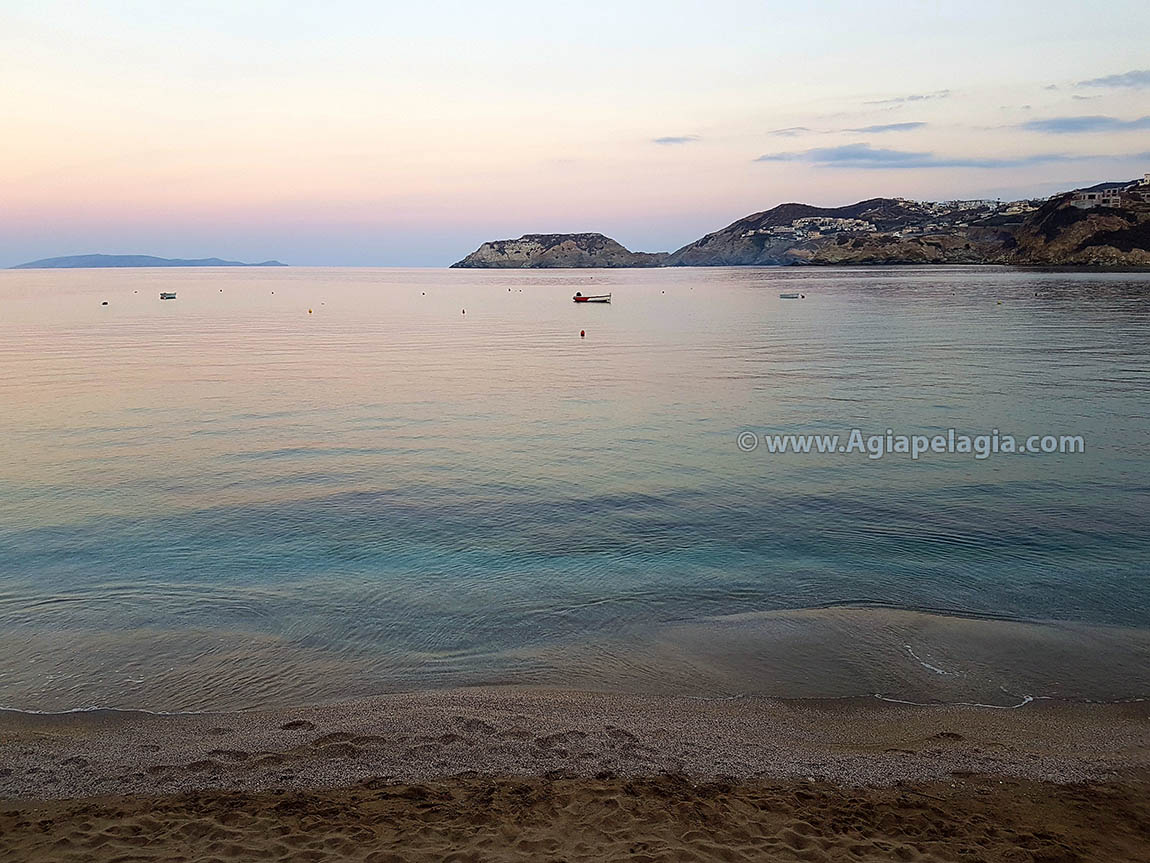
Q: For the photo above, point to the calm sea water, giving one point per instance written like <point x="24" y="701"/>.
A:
<point x="225" y="501"/>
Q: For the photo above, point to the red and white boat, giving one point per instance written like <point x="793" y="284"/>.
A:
<point x="600" y="298"/>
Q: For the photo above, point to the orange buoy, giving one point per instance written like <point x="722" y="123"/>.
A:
<point x="309" y="311"/>
<point x="582" y="334"/>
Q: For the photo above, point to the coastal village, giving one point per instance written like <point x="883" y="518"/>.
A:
<point x="920" y="218"/>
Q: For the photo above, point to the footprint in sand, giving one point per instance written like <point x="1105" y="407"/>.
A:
<point x="334" y="737"/>
<point x="298" y="725"/>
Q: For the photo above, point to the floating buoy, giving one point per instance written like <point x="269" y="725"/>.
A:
<point x="104" y="303"/>
<point x="309" y="311"/>
<point x="465" y="311"/>
<point x="423" y="293"/>
<point x="802" y="296"/>
<point x="582" y="334"/>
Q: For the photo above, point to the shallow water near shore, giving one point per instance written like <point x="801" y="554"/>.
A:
<point x="227" y="501"/>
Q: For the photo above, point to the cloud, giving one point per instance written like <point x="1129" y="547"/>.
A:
<point x="864" y="156"/>
<point x="1086" y="123"/>
<point x="670" y="140"/>
<point x="887" y="127"/>
<point x="789" y="132"/>
<point x="1134" y="78"/>
<point x="914" y="97"/>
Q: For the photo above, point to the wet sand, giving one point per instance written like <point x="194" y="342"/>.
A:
<point x="552" y="774"/>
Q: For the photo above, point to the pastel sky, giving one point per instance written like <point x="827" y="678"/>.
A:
<point x="366" y="132"/>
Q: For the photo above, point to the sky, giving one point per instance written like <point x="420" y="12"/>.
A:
<point x="368" y="133"/>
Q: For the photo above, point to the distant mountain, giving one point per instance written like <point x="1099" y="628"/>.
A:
<point x="557" y="250"/>
<point x="85" y="261"/>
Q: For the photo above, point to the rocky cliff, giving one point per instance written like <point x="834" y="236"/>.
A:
<point x="558" y="250"/>
<point x="1060" y="234"/>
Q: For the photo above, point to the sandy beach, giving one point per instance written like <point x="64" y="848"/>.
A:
<point x="524" y="774"/>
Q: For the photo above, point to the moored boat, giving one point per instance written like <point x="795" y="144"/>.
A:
<point x="788" y="296"/>
<point x="167" y="295"/>
<point x="599" y="298"/>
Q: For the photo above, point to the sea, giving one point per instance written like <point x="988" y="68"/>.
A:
<point x="302" y="485"/>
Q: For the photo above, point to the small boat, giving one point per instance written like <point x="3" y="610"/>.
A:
<point x="167" y="295"/>
<point x="788" y="296"/>
<point x="600" y="298"/>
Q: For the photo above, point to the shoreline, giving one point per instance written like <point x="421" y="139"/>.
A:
<point x="525" y="732"/>
<point x="498" y="774"/>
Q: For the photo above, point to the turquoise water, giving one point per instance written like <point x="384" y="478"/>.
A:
<point x="225" y="501"/>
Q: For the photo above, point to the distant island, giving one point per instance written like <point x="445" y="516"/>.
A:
<point x="1103" y="225"/>
<point x="97" y="261"/>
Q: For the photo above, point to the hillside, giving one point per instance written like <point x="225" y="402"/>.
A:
<point x="104" y="261"/>
<point x="1061" y="234"/>
<point x="1103" y="225"/>
<point x="557" y="250"/>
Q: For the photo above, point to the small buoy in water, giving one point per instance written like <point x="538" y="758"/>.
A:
<point x="465" y="311"/>
<point x="582" y="334"/>
<point x="104" y="303"/>
<point x="802" y="296"/>
<point x="423" y="293"/>
<point x="309" y="311"/>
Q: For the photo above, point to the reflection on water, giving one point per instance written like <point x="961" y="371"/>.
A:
<point x="227" y="501"/>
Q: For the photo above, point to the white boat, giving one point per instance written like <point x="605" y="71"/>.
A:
<point x="167" y="295"/>
<point x="599" y="298"/>
<point x="790" y="296"/>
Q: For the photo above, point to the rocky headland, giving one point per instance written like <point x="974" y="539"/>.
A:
<point x="558" y="250"/>
<point x="1104" y="225"/>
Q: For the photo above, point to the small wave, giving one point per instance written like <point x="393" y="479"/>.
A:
<point x="926" y="664"/>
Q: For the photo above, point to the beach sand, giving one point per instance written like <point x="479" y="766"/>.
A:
<point x="529" y="774"/>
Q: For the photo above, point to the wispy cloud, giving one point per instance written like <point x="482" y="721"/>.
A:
<point x="789" y="132"/>
<point x="864" y="156"/>
<point x="1086" y="123"/>
<point x="914" y="97"/>
<point x="671" y="140"/>
<point x="887" y="127"/>
<point x="1134" y="78"/>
